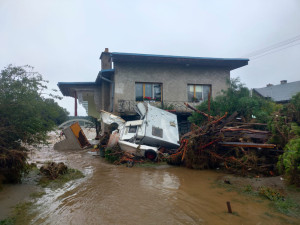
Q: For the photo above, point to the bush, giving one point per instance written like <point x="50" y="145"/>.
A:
<point x="289" y="162"/>
<point x="113" y="154"/>
<point x="285" y="122"/>
<point x="236" y="99"/>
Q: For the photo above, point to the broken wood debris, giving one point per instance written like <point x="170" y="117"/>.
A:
<point x="224" y="142"/>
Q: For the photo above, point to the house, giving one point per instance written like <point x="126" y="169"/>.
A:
<point x="281" y="93"/>
<point x="162" y="80"/>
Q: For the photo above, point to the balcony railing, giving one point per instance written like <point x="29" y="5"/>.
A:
<point x="127" y="106"/>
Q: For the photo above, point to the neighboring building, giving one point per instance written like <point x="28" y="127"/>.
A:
<point x="280" y="93"/>
<point x="163" y="81"/>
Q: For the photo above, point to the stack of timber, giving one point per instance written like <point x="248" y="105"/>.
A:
<point x="225" y="142"/>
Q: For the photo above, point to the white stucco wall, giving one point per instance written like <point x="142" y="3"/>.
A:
<point x="174" y="79"/>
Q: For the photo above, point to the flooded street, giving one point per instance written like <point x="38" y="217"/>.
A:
<point x="110" y="194"/>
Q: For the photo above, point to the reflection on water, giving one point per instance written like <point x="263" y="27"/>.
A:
<point x="111" y="194"/>
<point x="159" y="181"/>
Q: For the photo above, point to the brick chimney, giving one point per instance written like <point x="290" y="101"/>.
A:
<point x="105" y="60"/>
<point x="269" y="85"/>
<point x="283" y="81"/>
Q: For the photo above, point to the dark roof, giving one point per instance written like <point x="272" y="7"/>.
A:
<point x="68" y="88"/>
<point x="104" y="73"/>
<point x="280" y="92"/>
<point x="231" y="63"/>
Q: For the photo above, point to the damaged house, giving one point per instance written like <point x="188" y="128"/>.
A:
<point x="160" y="80"/>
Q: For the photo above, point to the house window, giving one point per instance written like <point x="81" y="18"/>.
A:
<point x="198" y="93"/>
<point x="147" y="91"/>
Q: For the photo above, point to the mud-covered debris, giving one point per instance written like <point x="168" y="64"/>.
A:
<point x="52" y="170"/>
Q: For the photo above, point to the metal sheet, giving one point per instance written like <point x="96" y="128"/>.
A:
<point x="134" y="123"/>
<point x="140" y="109"/>
<point x="110" y="118"/>
<point x="160" y="128"/>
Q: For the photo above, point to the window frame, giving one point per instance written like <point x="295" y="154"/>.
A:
<point x="152" y="87"/>
<point x="194" y="94"/>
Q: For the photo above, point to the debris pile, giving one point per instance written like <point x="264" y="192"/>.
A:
<point x="224" y="142"/>
<point x="52" y="170"/>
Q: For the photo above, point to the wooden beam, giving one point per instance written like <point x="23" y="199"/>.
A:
<point x="247" y="145"/>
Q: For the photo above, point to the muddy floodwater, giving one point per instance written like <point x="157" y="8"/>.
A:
<point x="110" y="194"/>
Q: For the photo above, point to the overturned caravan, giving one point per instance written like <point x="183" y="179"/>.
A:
<point x="156" y="128"/>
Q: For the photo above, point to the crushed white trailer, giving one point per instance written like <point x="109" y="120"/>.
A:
<point x="156" y="128"/>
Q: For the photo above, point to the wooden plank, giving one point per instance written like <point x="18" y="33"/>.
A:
<point x="247" y="145"/>
<point x="250" y="124"/>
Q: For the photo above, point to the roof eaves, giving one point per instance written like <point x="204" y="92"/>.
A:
<point x="65" y="87"/>
<point x="231" y="63"/>
<point x="179" y="57"/>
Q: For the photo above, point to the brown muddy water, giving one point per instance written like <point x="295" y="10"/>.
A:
<point x="110" y="194"/>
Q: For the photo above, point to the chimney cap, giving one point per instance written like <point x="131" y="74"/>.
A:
<point x="283" y="81"/>
<point x="269" y="85"/>
<point x="105" y="53"/>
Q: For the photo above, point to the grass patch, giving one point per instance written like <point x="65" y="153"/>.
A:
<point x="235" y="213"/>
<point x="269" y="214"/>
<point x="287" y="207"/>
<point x="279" y="202"/>
<point x="8" y="221"/>
<point x="21" y="215"/>
<point x="36" y="195"/>
<point x="248" y="190"/>
<point x="71" y="174"/>
<point x="270" y="194"/>
<point x="22" y="212"/>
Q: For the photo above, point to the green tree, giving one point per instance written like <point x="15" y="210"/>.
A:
<point x="26" y="116"/>
<point x="236" y="98"/>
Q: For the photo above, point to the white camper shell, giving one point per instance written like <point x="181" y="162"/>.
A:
<point x="156" y="128"/>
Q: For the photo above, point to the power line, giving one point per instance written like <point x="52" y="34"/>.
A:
<point x="277" y="45"/>
<point x="268" y="50"/>
<point x="276" y="50"/>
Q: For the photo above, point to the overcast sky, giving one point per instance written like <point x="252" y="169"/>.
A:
<point x="63" y="39"/>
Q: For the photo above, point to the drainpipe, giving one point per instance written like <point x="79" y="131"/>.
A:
<point x="112" y="91"/>
<point x="75" y="97"/>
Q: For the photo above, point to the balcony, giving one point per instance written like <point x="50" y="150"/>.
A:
<point x="126" y="107"/>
